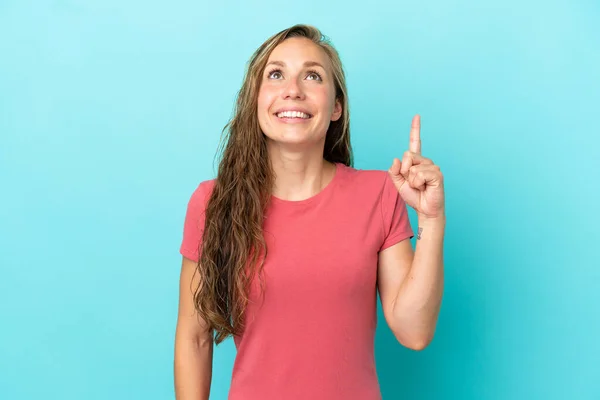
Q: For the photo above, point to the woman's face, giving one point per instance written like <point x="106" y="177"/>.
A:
<point x="296" y="99"/>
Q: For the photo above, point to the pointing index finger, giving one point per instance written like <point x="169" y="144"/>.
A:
<point x="415" y="135"/>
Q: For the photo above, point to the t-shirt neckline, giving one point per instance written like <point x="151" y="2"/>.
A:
<point x="317" y="196"/>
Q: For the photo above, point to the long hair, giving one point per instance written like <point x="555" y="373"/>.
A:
<point x="233" y="248"/>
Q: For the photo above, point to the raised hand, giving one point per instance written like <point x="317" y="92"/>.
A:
<point x="418" y="180"/>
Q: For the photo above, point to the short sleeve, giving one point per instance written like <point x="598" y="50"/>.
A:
<point x="193" y="225"/>
<point x="396" y="225"/>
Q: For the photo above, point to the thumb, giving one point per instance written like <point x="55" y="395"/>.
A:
<point x="395" y="174"/>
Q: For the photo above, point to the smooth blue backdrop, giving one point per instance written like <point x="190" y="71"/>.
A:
<point x="110" y="115"/>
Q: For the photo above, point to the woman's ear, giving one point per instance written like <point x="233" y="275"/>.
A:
<point x="337" y="110"/>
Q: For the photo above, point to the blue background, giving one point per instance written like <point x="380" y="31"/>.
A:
<point x="110" y="115"/>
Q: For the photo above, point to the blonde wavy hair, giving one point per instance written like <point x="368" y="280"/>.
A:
<point x="233" y="248"/>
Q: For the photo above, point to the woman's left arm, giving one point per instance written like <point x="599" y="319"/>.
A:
<point x="411" y="285"/>
<point x="411" y="282"/>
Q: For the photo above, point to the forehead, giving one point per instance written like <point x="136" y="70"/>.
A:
<point x="297" y="50"/>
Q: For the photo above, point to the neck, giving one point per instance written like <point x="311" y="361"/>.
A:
<point x="299" y="176"/>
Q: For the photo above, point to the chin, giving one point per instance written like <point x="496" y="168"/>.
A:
<point x="290" y="139"/>
<point x="294" y="133"/>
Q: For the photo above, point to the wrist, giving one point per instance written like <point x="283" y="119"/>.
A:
<point x="438" y="220"/>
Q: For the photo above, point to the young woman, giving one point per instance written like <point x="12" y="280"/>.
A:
<point x="286" y="248"/>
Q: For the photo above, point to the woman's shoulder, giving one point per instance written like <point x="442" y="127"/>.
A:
<point x="202" y="192"/>
<point x="368" y="186"/>
<point x="372" y="179"/>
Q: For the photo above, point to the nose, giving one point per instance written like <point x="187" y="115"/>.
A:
<point x="293" y="90"/>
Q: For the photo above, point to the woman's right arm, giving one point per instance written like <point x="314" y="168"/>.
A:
<point x="193" y="342"/>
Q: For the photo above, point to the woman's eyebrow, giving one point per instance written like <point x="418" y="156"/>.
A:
<point x="306" y="64"/>
<point x="313" y="64"/>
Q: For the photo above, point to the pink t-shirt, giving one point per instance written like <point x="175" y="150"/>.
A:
<point x="312" y="336"/>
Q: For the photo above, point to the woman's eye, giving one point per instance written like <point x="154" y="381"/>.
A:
<point x="315" y="76"/>
<point x="312" y="75"/>
<point x="274" y="74"/>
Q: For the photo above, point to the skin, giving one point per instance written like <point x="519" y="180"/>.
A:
<point x="193" y="356"/>
<point x="298" y="75"/>
<point x="411" y="284"/>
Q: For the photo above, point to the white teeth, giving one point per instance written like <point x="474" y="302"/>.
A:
<point x="293" y="114"/>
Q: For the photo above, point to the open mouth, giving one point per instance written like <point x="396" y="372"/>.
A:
<point x="293" y="115"/>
